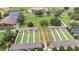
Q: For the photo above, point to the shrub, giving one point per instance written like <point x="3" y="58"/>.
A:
<point x="76" y="9"/>
<point x="76" y="48"/>
<point x="61" y="48"/>
<point x="30" y="24"/>
<point x="73" y="25"/>
<point x="54" y="49"/>
<point x="39" y="49"/>
<point x="76" y="36"/>
<point x="69" y="49"/>
<point x="66" y="8"/>
<point x="6" y="14"/>
<point x="43" y="23"/>
<point x="69" y="29"/>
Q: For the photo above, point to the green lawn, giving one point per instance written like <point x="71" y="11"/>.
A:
<point x="25" y="37"/>
<point x="50" y="36"/>
<point x="61" y="34"/>
<point x="67" y="36"/>
<point x="31" y="37"/>
<point x="35" y="19"/>
<point x="37" y="37"/>
<point x="19" y="38"/>
<point x="55" y="34"/>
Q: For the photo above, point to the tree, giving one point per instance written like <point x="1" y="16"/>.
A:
<point x="61" y="48"/>
<point x="76" y="36"/>
<point x="6" y="14"/>
<point x="66" y="8"/>
<point x="70" y="14"/>
<point x="76" y="48"/>
<point x="9" y="36"/>
<point x="39" y="12"/>
<point x="43" y="23"/>
<point x="54" y="49"/>
<point x="73" y="25"/>
<point x="55" y="22"/>
<point x="30" y="24"/>
<point x="48" y="12"/>
<point x="76" y="9"/>
<point x="0" y="15"/>
<point x="69" y="49"/>
<point x="69" y="29"/>
<point x="58" y="12"/>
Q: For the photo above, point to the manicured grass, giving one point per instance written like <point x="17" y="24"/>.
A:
<point x="31" y="37"/>
<point x="37" y="37"/>
<point x="50" y="36"/>
<point x="68" y="36"/>
<point x="62" y="36"/>
<point x="19" y="38"/>
<point x="25" y="38"/>
<point x="35" y="19"/>
<point x="66" y="20"/>
<point x="55" y="34"/>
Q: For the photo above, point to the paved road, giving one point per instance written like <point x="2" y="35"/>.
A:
<point x="16" y="47"/>
<point x="65" y="43"/>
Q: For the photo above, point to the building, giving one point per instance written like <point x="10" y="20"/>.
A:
<point x="11" y="20"/>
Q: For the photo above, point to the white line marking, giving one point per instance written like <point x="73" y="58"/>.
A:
<point x="28" y="37"/>
<point x="66" y="30"/>
<point x="53" y="34"/>
<point x="33" y="36"/>
<point x="64" y="34"/>
<point x="58" y="34"/>
<point x="17" y="38"/>
<point x="70" y="35"/>
<point x="62" y="22"/>
<point x="22" y="38"/>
